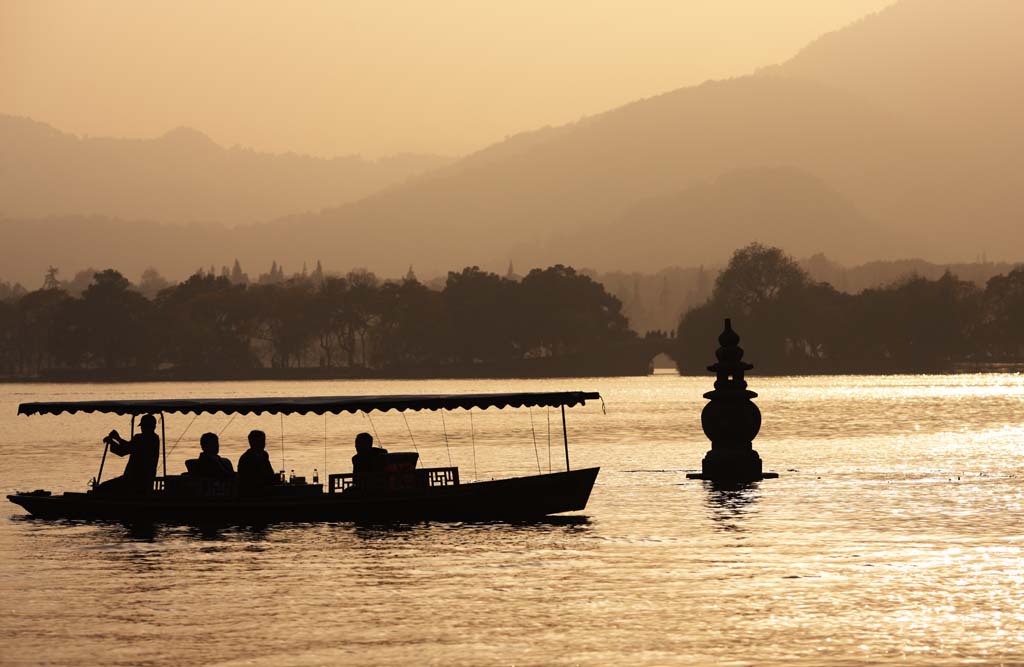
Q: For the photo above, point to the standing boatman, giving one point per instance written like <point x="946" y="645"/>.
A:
<point x="143" y="452"/>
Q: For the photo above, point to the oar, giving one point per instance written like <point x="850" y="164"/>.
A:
<point x="99" y="475"/>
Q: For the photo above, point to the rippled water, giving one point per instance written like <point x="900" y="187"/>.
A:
<point x="893" y="536"/>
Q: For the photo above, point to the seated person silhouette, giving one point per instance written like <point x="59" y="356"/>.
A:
<point x="210" y="465"/>
<point x="143" y="452"/>
<point x="255" y="474"/>
<point x="368" y="459"/>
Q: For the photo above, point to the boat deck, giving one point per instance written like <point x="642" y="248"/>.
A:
<point x="513" y="498"/>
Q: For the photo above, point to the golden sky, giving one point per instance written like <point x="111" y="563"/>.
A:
<point x="377" y="77"/>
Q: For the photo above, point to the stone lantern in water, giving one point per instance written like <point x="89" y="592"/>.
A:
<point x="730" y="419"/>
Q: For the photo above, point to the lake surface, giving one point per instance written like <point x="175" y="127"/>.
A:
<point x="893" y="536"/>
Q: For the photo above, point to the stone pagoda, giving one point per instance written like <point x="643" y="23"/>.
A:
<point x="730" y="419"/>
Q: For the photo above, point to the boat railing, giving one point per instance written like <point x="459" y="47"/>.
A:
<point x="393" y="480"/>
<point x="186" y="485"/>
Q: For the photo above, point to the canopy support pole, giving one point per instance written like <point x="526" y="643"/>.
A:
<point x="472" y="435"/>
<point x="565" y="439"/>
<point x="163" y="442"/>
<point x="446" y="445"/>
<point x="547" y="413"/>
<point x="533" y="432"/>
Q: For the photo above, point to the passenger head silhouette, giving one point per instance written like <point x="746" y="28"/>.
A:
<point x="147" y="423"/>
<point x="210" y="443"/>
<point x="364" y="442"/>
<point x="257" y="439"/>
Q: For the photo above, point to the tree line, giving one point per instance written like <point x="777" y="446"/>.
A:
<point x="792" y="324"/>
<point x="224" y="324"/>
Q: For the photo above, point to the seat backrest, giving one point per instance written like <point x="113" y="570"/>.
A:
<point x="400" y="461"/>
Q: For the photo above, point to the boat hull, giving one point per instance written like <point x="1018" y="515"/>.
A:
<point x="504" y="499"/>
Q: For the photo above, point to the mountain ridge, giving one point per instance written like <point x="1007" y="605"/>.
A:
<point x="944" y="186"/>
<point x="180" y="176"/>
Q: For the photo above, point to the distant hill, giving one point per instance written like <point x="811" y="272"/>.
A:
<point x="910" y="118"/>
<point x="780" y="206"/>
<point x="72" y="243"/>
<point x="180" y="177"/>
<point x="579" y="179"/>
<point x="953" y="65"/>
<point x="954" y="68"/>
<point x="899" y="136"/>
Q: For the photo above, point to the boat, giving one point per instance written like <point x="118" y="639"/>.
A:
<point x="401" y="492"/>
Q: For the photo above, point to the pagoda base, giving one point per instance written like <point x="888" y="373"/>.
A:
<point x="700" y="475"/>
<point x="732" y="465"/>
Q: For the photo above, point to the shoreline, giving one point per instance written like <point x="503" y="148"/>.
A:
<point x="309" y="374"/>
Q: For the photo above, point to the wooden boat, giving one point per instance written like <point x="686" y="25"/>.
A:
<point x="402" y="492"/>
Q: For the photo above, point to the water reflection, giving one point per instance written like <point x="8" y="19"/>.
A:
<point x="115" y="532"/>
<point x="898" y="561"/>
<point x="111" y="530"/>
<point x="729" y="503"/>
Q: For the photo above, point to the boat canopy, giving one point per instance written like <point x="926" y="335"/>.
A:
<point x="316" y="404"/>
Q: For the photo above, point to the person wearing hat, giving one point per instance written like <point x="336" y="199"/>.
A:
<point x="143" y="452"/>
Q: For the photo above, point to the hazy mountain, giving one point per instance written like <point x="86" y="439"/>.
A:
<point x="897" y="136"/>
<point x="72" y="243"/>
<point x="179" y="177"/>
<point x="780" y="206"/>
<point x="594" y="172"/>
<point x="910" y="117"/>
<point x="955" y="68"/>
<point x="953" y="65"/>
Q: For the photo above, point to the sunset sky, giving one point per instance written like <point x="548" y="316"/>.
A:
<point x="376" y="78"/>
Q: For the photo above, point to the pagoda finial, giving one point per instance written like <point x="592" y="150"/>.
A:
<point x="730" y="367"/>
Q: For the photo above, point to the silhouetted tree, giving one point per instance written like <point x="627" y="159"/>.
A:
<point x="412" y="329"/>
<point x="238" y="277"/>
<point x="803" y="326"/>
<point x="8" y="338"/>
<point x="206" y="323"/>
<point x="757" y="275"/>
<point x="274" y="276"/>
<point x="1002" y="323"/>
<point x="9" y="292"/>
<point x="564" y="312"/>
<point x="283" y="319"/>
<point x="328" y="320"/>
<point x="114" y="320"/>
<point x="484" y="316"/>
<point x="922" y="324"/>
<point x="80" y="282"/>
<point x="38" y="336"/>
<point x="362" y="313"/>
<point x="51" y="281"/>
<point x="763" y="287"/>
<point x="151" y="283"/>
